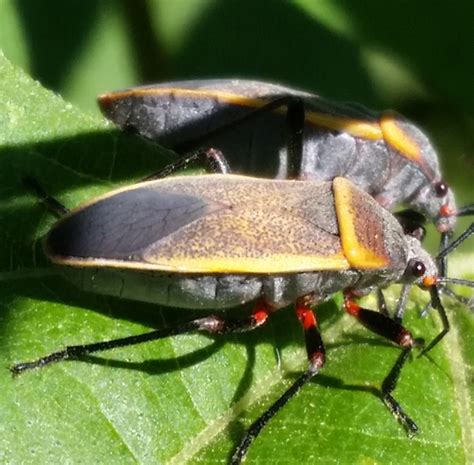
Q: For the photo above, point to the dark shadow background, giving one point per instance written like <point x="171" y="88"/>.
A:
<point x="275" y="40"/>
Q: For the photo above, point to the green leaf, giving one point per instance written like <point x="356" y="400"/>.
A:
<point x="186" y="398"/>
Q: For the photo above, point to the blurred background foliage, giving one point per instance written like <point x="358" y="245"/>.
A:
<point x="415" y="57"/>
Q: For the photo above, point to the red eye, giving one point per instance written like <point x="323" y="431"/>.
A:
<point x="441" y="189"/>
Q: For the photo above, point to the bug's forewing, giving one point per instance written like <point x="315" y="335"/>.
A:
<point x="204" y="224"/>
<point x="122" y="225"/>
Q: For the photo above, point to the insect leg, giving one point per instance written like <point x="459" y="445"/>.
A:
<point x="467" y="210"/>
<point x="456" y="243"/>
<point x="295" y="118"/>
<point x="395" y="332"/>
<point x="53" y="205"/>
<point x="402" y="303"/>
<point x="446" y="249"/>
<point x="215" y="160"/>
<point x="211" y="158"/>
<point x="316" y="356"/>
<point x="213" y="324"/>
<point x="443" y="261"/>
<point x="461" y="299"/>
<point x="388" y="386"/>
<point x="436" y="303"/>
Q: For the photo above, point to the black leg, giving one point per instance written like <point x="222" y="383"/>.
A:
<point x="53" y="205"/>
<point x="461" y="299"/>
<point x="388" y="386"/>
<point x="468" y="302"/>
<point x="456" y="243"/>
<point x="445" y="249"/>
<point x="316" y="357"/>
<point x="401" y="303"/>
<point x="437" y="287"/>
<point x="211" y="158"/>
<point x="444" y="246"/>
<point x="213" y="324"/>
<point x="436" y="303"/>
<point x="395" y="332"/>
<point x="251" y="434"/>
<point x="443" y="261"/>
<point x="467" y="210"/>
<point x="295" y="117"/>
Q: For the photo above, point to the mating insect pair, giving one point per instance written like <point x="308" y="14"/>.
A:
<point x="280" y="132"/>
<point x="276" y="131"/>
<point x="218" y="241"/>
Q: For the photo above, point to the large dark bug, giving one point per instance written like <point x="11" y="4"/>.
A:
<point x="219" y="241"/>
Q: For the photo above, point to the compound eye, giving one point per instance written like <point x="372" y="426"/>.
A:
<point x="418" y="268"/>
<point x="441" y="189"/>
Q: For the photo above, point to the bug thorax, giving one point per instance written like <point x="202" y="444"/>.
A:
<point x="436" y="200"/>
<point x="420" y="264"/>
